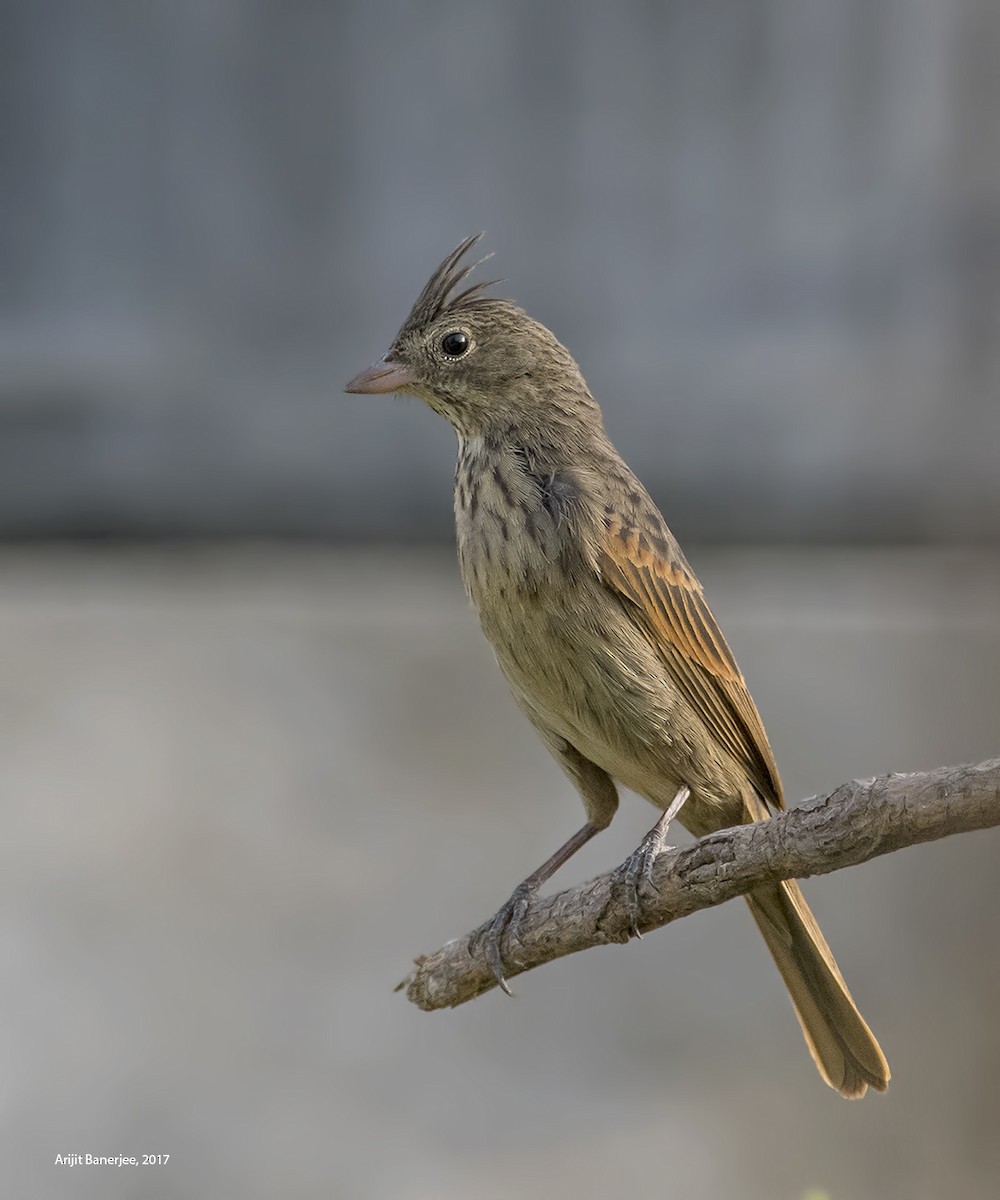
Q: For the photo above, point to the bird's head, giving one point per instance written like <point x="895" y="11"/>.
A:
<point x="479" y="361"/>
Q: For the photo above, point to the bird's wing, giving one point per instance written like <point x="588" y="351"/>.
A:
<point x="640" y="560"/>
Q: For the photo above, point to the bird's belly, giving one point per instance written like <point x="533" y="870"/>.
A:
<point x="586" y="674"/>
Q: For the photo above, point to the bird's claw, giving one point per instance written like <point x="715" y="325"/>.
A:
<point x="504" y="925"/>
<point x="638" y="869"/>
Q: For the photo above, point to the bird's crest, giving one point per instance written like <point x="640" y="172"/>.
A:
<point x="437" y="298"/>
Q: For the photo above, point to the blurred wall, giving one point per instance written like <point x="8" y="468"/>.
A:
<point x="768" y="230"/>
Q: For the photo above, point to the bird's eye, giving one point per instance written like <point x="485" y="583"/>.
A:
<point x="455" y="344"/>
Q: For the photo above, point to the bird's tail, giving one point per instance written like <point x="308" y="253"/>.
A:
<point x="843" y="1047"/>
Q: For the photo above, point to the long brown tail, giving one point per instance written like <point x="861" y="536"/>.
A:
<point x="843" y="1047"/>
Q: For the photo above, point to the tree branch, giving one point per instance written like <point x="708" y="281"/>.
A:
<point x="857" y="822"/>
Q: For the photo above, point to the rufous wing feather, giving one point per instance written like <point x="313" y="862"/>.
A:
<point x="641" y="561"/>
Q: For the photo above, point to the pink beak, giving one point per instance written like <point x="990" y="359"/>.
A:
<point x="381" y="378"/>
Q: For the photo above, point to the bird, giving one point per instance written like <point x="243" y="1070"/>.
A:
<point x="601" y="627"/>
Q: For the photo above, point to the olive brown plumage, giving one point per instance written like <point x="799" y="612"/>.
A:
<point x="600" y="625"/>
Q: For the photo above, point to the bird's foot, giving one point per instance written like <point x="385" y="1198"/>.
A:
<point x="503" y="927"/>
<point x="638" y="867"/>
<point x="634" y="871"/>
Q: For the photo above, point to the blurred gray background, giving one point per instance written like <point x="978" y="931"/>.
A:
<point x="769" y="231"/>
<point x="254" y="753"/>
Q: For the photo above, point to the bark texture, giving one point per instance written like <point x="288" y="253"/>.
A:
<point x="857" y="822"/>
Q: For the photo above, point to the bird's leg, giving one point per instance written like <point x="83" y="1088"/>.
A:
<point x="508" y="918"/>
<point x="639" y="864"/>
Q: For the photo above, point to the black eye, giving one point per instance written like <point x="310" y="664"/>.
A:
<point x="455" y="344"/>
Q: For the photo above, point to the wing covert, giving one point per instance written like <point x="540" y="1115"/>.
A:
<point x="645" y="566"/>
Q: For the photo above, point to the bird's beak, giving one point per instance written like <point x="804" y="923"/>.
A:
<point x="381" y="378"/>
